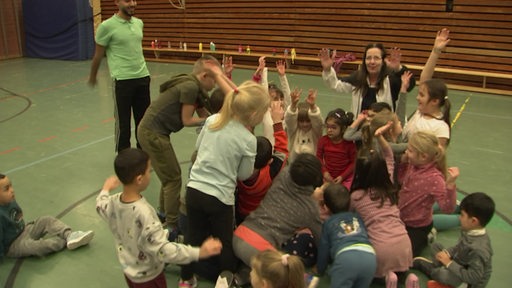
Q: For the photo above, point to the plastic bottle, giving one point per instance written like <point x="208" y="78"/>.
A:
<point x="248" y="49"/>
<point x="169" y="44"/>
<point x="156" y="43"/>
<point x="240" y="48"/>
<point x="200" y="46"/>
<point x="185" y="46"/>
<point x="181" y="45"/>
<point x="212" y="46"/>
<point x="153" y="44"/>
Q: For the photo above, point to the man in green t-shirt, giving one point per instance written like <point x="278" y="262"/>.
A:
<point x="120" y="38"/>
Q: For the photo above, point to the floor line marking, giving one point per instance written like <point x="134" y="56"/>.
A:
<point x="459" y="112"/>
<point x="58" y="154"/>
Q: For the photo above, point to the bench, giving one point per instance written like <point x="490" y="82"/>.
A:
<point x="311" y="66"/>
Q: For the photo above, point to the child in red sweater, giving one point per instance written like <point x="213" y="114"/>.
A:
<point x="336" y="154"/>
<point x="267" y="165"/>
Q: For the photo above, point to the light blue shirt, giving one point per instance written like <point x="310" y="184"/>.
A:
<point x="223" y="156"/>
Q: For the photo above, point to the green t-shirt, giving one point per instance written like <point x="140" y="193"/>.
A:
<point x="122" y="40"/>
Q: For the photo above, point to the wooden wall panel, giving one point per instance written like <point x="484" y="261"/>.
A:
<point x="481" y="30"/>
<point x="10" y="29"/>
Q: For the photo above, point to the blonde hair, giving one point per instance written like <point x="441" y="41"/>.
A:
<point x="428" y="144"/>
<point x="280" y="270"/>
<point x="247" y="105"/>
<point x="199" y="64"/>
<point x="368" y="129"/>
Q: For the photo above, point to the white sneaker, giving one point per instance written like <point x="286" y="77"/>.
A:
<point x="432" y="235"/>
<point x="79" y="238"/>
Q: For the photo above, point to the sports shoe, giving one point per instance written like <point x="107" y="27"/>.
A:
<point x="423" y="264"/>
<point x="79" y="238"/>
<point x="412" y="281"/>
<point x="432" y="235"/>
<point x="226" y="279"/>
<point x="435" y="284"/>
<point x="192" y="283"/>
<point x="311" y="280"/>
<point x="173" y="234"/>
<point x="391" y="280"/>
<point x="161" y="216"/>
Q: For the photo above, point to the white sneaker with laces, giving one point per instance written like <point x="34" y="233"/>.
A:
<point x="78" y="239"/>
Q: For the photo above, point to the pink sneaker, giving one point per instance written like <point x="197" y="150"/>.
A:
<point x="412" y="281"/>
<point x="391" y="280"/>
<point x="192" y="283"/>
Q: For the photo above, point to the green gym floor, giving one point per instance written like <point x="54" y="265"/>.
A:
<point x="57" y="147"/>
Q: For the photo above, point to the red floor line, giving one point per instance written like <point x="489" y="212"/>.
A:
<point x="78" y="129"/>
<point x="46" y="139"/>
<point x="10" y="150"/>
<point x="56" y="86"/>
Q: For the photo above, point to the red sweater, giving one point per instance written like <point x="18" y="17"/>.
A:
<point x="252" y="191"/>
<point x="337" y="158"/>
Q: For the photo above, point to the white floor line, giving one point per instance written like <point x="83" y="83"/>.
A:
<point x="58" y="155"/>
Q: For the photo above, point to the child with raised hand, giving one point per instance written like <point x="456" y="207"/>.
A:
<point x="424" y="180"/>
<point x="141" y="242"/>
<point x="226" y="152"/>
<point x="337" y="155"/>
<point x="275" y="93"/>
<point x="303" y="122"/>
<point x="273" y="269"/>
<point x="375" y="198"/>
<point x="470" y="260"/>
<point x="44" y="235"/>
<point x="345" y="243"/>
<point x="269" y="162"/>
<point x="433" y="113"/>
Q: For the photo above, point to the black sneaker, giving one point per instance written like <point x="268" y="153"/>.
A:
<point x="423" y="264"/>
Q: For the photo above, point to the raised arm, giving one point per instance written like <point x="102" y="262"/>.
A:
<point x="442" y="39"/>
<point x="290" y="116"/>
<point x="325" y="59"/>
<point x="393" y="59"/>
<point x="285" y="87"/>
<point x="215" y="71"/>
<point x="257" y="76"/>
<point x="402" y="97"/>
<point x="227" y="65"/>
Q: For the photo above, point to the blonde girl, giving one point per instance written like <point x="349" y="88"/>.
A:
<point x="272" y="269"/>
<point x="424" y="181"/>
<point x="226" y="152"/>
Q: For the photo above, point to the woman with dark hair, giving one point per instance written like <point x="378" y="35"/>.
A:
<point x="377" y="80"/>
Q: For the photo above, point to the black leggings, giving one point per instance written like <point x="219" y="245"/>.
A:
<point x="207" y="216"/>
<point x="419" y="238"/>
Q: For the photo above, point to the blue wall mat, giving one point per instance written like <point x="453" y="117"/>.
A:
<point x="58" y="29"/>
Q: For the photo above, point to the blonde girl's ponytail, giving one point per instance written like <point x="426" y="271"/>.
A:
<point x="247" y="105"/>
<point x="295" y="272"/>
<point x="428" y="144"/>
<point x="280" y="270"/>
